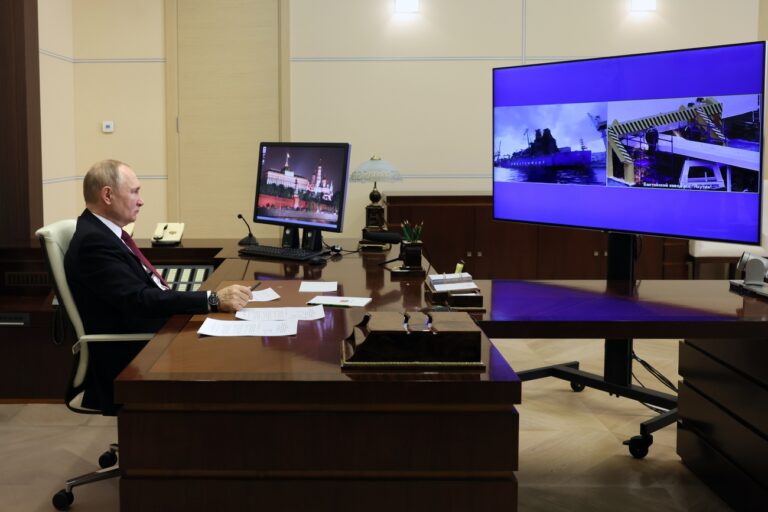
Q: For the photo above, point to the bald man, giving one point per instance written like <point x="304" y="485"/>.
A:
<point x="114" y="291"/>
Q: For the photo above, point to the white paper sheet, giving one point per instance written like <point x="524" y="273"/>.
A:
<point x="298" y="313"/>
<point x="264" y="295"/>
<point x="344" y="302"/>
<point x="460" y="277"/>
<point x="214" y="327"/>
<point x="318" y="286"/>
<point x="455" y="287"/>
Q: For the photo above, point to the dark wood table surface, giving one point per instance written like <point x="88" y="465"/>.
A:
<point x="593" y="309"/>
<point x="273" y="423"/>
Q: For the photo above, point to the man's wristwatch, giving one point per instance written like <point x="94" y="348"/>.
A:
<point x="213" y="302"/>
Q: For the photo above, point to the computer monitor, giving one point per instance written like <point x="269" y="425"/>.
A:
<point x="667" y="143"/>
<point x="302" y="185"/>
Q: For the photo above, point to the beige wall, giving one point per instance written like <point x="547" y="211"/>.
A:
<point x="227" y="99"/>
<point x="57" y="99"/>
<point x="102" y="60"/>
<point x="415" y="89"/>
<point x="762" y="32"/>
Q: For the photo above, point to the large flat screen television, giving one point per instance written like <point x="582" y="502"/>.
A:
<point x="302" y="185"/>
<point x="666" y="143"/>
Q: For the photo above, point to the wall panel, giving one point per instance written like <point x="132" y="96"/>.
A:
<point x="228" y="101"/>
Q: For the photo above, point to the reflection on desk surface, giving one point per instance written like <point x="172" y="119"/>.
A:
<point x="314" y="354"/>
<point x="590" y="300"/>
<point x="584" y="309"/>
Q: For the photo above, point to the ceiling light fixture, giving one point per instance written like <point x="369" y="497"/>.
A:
<point x="642" y="5"/>
<point x="406" y="6"/>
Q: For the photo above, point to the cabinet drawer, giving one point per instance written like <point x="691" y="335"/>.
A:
<point x="729" y="482"/>
<point x="746" y="356"/>
<point x="723" y="432"/>
<point x="729" y="389"/>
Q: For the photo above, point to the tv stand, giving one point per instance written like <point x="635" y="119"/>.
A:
<point x="617" y="359"/>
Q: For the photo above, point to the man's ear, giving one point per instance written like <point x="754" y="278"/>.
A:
<point x="106" y="194"/>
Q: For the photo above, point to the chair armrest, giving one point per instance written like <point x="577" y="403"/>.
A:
<point x="102" y="338"/>
<point x="143" y="336"/>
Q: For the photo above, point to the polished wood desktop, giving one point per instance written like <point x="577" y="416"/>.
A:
<point x="595" y="309"/>
<point x="275" y="424"/>
<point x="722" y="421"/>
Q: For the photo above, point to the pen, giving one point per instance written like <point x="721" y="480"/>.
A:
<point x="258" y="283"/>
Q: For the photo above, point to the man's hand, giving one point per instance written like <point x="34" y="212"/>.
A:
<point x="233" y="298"/>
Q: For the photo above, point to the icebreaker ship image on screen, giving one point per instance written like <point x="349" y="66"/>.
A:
<point x="666" y="143"/>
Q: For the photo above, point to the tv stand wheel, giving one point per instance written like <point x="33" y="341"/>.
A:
<point x="638" y="445"/>
<point x="107" y="459"/>
<point x="577" y="387"/>
<point x="63" y="499"/>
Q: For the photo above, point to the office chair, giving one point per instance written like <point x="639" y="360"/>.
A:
<point x="54" y="240"/>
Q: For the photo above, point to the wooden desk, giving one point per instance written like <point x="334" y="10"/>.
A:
<point x="274" y="424"/>
<point x="723" y="422"/>
<point x="588" y="309"/>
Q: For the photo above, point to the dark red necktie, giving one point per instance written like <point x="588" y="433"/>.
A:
<point x="135" y="250"/>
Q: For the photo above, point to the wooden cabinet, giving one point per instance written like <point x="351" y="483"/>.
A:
<point x="722" y="432"/>
<point x="462" y="228"/>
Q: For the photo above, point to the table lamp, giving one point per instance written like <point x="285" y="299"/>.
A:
<point x="375" y="170"/>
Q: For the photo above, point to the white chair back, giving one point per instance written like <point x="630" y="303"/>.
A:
<point x="55" y="238"/>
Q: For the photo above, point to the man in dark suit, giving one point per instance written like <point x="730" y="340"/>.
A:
<point x="114" y="291"/>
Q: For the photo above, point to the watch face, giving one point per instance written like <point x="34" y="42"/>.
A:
<point x="213" y="299"/>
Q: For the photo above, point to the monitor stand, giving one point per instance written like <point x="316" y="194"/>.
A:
<point x="312" y="240"/>
<point x="290" y="237"/>
<point x="618" y="354"/>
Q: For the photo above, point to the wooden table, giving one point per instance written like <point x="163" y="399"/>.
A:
<point x="274" y="424"/>
<point x="721" y="416"/>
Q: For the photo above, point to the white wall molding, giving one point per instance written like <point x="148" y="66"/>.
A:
<point x="405" y="176"/>
<point x="394" y="58"/>
<point x="115" y="60"/>
<point x="507" y="58"/>
<point x="125" y="60"/>
<point x="65" y="179"/>
<point x="450" y="176"/>
<point x="56" y="56"/>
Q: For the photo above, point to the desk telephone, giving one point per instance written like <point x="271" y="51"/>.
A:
<point x="168" y="233"/>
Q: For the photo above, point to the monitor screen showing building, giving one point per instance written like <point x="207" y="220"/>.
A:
<point x="667" y="143"/>
<point x="302" y="184"/>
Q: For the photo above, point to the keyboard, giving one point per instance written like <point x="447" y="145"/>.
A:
<point x="281" y="253"/>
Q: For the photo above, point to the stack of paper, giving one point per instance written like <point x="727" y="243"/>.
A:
<point x="214" y="327"/>
<point x="461" y="277"/>
<point x="455" y="287"/>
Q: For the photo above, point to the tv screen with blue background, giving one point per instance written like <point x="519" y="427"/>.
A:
<point x="665" y="143"/>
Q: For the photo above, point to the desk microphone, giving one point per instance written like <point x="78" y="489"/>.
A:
<point x="250" y="239"/>
<point x="386" y="237"/>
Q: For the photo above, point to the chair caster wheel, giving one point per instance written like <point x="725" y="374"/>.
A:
<point x="107" y="459"/>
<point x="63" y="499"/>
<point x="638" y="445"/>
<point x="577" y="387"/>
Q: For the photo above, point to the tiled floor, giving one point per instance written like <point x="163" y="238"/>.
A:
<point x="571" y="456"/>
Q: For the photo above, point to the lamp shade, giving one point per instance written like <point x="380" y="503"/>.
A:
<point x="374" y="170"/>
